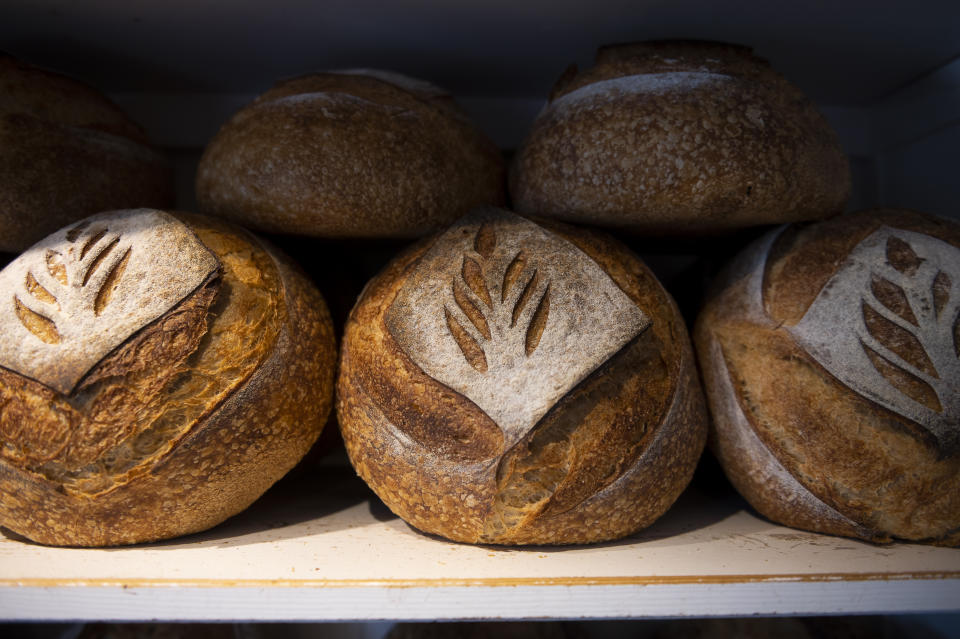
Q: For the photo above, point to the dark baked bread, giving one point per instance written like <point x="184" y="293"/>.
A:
<point x="679" y="137"/>
<point x="352" y="154"/>
<point x="830" y="356"/>
<point x="66" y="152"/>
<point x="510" y="383"/>
<point x="158" y="372"/>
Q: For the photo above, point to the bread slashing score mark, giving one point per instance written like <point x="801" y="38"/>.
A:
<point x="511" y="316"/>
<point x="887" y="325"/>
<point x="473" y="277"/>
<point x="75" y="296"/>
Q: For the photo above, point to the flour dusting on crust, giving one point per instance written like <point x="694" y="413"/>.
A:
<point x="72" y="298"/>
<point x="416" y="86"/>
<point x="641" y="84"/>
<point x="739" y="441"/>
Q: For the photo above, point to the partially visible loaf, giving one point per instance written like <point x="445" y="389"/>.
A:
<point x="361" y="153"/>
<point x="514" y="382"/>
<point x="66" y="152"/>
<point x="158" y="372"/>
<point x="679" y="137"/>
<point x="830" y="357"/>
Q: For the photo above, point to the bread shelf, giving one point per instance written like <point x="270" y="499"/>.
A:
<point x="320" y="546"/>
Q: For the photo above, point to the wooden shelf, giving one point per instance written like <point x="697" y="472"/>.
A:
<point x="321" y="547"/>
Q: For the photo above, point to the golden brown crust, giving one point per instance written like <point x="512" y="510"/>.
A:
<point x="194" y="438"/>
<point x="376" y="88"/>
<point x="637" y="424"/>
<point x="339" y="155"/>
<point x="767" y="486"/>
<point x="668" y="56"/>
<point x="66" y="152"/>
<point x="679" y="137"/>
<point x="803" y="259"/>
<point x="53" y="97"/>
<point x="888" y="476"/>
<point x="65" y="437"/>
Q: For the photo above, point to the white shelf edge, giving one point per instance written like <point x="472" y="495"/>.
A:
<point x="291" y="557"/>
<point x="522" y="602"/>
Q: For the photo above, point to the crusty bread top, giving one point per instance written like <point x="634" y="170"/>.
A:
<point x="377" y="87"/>
<point x="825" y="332"/>
<point x="67" y="152"/>
<point x="75" y="296"/>
<point x="805" y="256"/>
<point x="416" y="86"/>
<point x="372" y="84"/>
<point x="463" y="403"/>
<point x="510" y="315"/>
<point x="436" y="416"/>
<point x="670" y="56"/>
<point x="55" y="98"/>
<point x="679" y="138"/>
<point x="146" y="395"/>
<point x="358" y="154"/>
<point x="874" y="298"/>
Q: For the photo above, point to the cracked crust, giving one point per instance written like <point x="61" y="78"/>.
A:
<point x="608" y="459"/>
<point x="238" y="386"/>
<point x="348" y="155"/>
<point x="66" y="152"/>
<point x="679" y="137"/>
<point x="848" y="465"/>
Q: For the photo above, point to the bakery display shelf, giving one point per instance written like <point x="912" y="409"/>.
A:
<point x="320" y="546"/>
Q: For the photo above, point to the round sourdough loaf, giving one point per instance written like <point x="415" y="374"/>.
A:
<point x="361" y="153"/>
<point x="158" y="372"/>
<point x="679" y="138"/>
<point x="830" y="357"/>
<point x="66" y="152"/>
<point x="507" y="382"/>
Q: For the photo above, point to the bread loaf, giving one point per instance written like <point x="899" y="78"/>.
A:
<point x="507" y="382"/>
<point x="351" y="154"/>
<point x="66" y="152"/>
<point x="830" y="357"/>
<point x="158" y="372"/>
<point x="679" y="138"/>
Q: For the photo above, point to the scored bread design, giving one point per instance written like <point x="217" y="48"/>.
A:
<point x="89" y="288"/>
<point x="358" y="153"/>
<point x="66" y="152"/>
<point x="893" y="307"/>
<point x="679" y="137"/>
<point x="510" y="383"/>
<point x="207" y="375"/>
<point x="830" y="356"/>
<point x="501" y="356"/>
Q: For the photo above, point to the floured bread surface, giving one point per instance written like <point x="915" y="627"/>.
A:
<point x="849" y="379"/>
<point x="416" y="86"/>
<point x="507" y="382"/>
<point x="679" y="137"/>
<point x="75" y="296"/>
<point x="342" y="154"/>
<point x="67" y="152"/>
<point x="516" y="322"/>
<point x="184" y="423"/>
<point x="886" y="323"/>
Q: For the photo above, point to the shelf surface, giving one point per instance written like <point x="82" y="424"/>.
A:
<point x="321" y="547"/>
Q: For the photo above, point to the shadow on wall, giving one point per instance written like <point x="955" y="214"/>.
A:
<point x="918" y="129"/>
